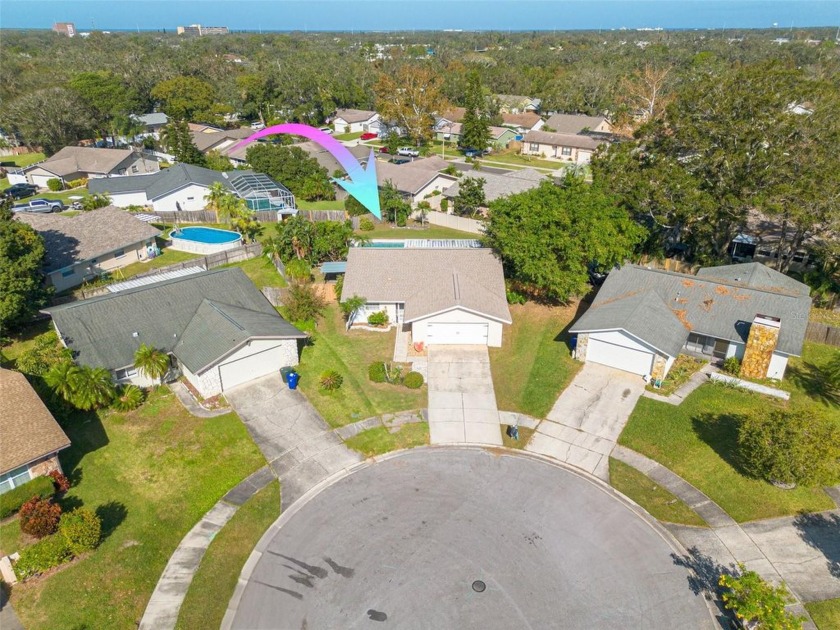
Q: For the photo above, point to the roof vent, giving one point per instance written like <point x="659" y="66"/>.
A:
<point x="224" y="174"/>
<point x="135" y="334"/>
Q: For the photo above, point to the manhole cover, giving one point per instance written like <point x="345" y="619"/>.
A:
<point x="478" y="586"/>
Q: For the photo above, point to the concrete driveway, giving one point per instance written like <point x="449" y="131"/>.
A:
<point x="462" y="402"/>
<point x="585" y="422"/>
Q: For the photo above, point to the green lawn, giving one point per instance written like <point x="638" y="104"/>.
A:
<point x="387" y="230"/>
<point x="63" y="195"/>
<point x="19" y="342"/>
<point x="319" y="205"/>
<point x="826" y="614"/>
<point x="261" y="271"/>
<point x="11" y="538"/>
<point x="23" y="160"/>
<point x="346" y="137"/>
<point x="151" y="474"/>
<point x="350" y="353"/>
<point x="167" y="257"/>
<point x="697" y="441"/>
<point x="534" y="363"/>
<point x="659" y="503"/>
<point x="379" y="440"/>
<point x="214" y="582"/>
<point x="517" y="159"/>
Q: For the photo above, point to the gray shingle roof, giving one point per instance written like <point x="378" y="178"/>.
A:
<point x="563" y="140"/>
<point x="407" y="178"/>
<point x="756" y="276"/>
<point x="205" y="140"/>
<point x="70" y="160"/>
<point x="101" y="331"/>
<point x="718" y="308"/>
<point x="497" y="186"/>
<point x="573" y="123"/>
<point x="354" y="115"/>
<point x="428" y="280"/>
<point x="71" y="240"/>
<point x="153" y="119"/>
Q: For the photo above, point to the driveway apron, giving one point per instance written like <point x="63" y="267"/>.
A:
<point x="462" y="402"/>
<point x="583" y="426"/>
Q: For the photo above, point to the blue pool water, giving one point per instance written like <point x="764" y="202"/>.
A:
<point x="206" y="235"/>
<point x="386" y="244"/>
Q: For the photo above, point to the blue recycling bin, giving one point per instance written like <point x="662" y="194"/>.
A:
<point x="293" y="379"/>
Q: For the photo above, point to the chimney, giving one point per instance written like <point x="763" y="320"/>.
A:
<point x="761" y="342"/>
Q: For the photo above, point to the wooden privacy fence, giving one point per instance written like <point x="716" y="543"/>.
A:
<point x="823" y="333"/>
<point x="456" y="223"/>
<point x="263" y="216"/>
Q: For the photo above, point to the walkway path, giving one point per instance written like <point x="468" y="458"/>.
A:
<point x="190" y="404"/>
<point x="696" y="380"/>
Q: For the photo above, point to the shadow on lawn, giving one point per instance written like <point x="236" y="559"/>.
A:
<point x="563" y="336"/>
<point x="720" y="432"/>
<point x="820" y="531"/>
<point x="812" y="380"/>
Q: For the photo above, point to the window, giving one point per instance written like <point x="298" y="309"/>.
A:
<point x="134" y="168"/>
<point x="567" y="151"/>
<point x="125" y="373"/>
<point x="535" y="147"/>
<point x="119" y="253"/>
<point x="67" y="273"/>
<point x="14" y="478"/>
<point x="190" y="198"/>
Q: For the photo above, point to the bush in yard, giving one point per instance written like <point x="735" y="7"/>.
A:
<point x="55" y="184"/>
<point x="413" y="380"/>
<point x="42" y="556"/>
<point x="791" y="447"/>
<point x="298" y="270"/>
<point x="350" y="305"/>
<point x="81" y="529"/>
<point x="515" y="298"/>
<point x="732" y="366"/>
<point x="77" y="183"/>
<point x="39" y="517"/>
<point x="331" y="380"/>
<point x="128" y="398"/>
<point x="11" y="501"/>
<point x="376" y="372"/>
<point x="366" y="225"/>
<point x="60" y="481"/>
<point x="756" y="603"/>
<point x="380" y="318"/>
<point x="303" y="303"/>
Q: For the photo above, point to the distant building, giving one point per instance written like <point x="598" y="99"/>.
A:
<point x="65" y="28"/>
<point x="198" y="30"/>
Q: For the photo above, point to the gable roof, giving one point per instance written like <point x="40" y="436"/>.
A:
<point x="455" y="114"/>
<point x="563" y="140"/>
<point x="573" y="123"/>
<point x="101" y="331"/>
<point x="432" y="162"/>
<point x="525" y="119"/>
<point x="326" y="160"/>
<point x="718" y="308"/>
<point x="70" y="160"/>
<point x="71" y="240"/>
<point x="501" y="185"/>
<point x="515" y="100"/>
<point x="428" y="281"/>
<point x="495" y="132"/>
<point x="152" y="119"/>
<point x="756" y="276"/>
<point x="354" y="115"/>
<point x="28" y="430"/>
<point x="206" y="140"/>
<point x="407" y="178"/>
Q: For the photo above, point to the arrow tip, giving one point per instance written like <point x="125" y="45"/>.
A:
<point x="363" y="186"/>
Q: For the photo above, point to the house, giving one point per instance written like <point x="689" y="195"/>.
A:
<point x="82" y="247"/>
<point x="355" y="121"/>
<point x="218" y="327"/>
<point x="517" y="104"/>
<point x="643" y="318"/>
<point x="560" y="146"/>
<point x="30" y="438"/>
<point x="524" y="122"/>
<point x="500" y="137"/>
<point x="152" y="123"/>
<point x="577" y="123"/>
<point x="88" y="162"/>
<point x="497" y="186"/>
<point x="185" y="187"/>
<point x="442" y="296"/>
<point x="221" y="140"/>
<point x="415" y="183"/>
<point x="326" y="159"/>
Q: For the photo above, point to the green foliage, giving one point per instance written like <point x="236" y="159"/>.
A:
<point x="151" y="362"/>
<point x="81" y="530"/>
<point x="177" y="139"/>
<point x="470" y="196"/>
<point x="39" y="517"/>
<point x="77" y="183"/>
<point x="831" y="372"/>
<point x="475" y="127"/>
<point x="366" y="225"/>
<point x="43" y="355"/>
<point x="331" y="380"/>
<point x="352" y="304"/>
<point x="377" y="372"/>
<point x="294" y="168"/>
<point x="83" y="387"/>
<point x="413" y="380"/>
<point x="791" y="447"/>
<point x="392" y="142"/>
<point x="49" y="117"/>
<point x="55" y="184"/>
<point x="732" y="365"/>
<point x="95" y="201"/>
<point x="444" y="205"/>
<point x="45" y="554"/>
<point x="293" y="238"/>
<point x="298" y="270"/>
<point x="394" y="207"/>
<point x="515" y="298"/>
<point x="380" y="318"/>
<point x="547" y="237"/>
<point x="107" y="98"/>
<point x="186" y="98"/>
<point x="128" y="398"/>
<point x="755" y="601"/>
<point x="217" y="161"/>
<point x="353" y="207"/>
<point x="11" y="501"/>
<point x="304" y="303"/>
<point x="331" y="240"/>
<point x="22" y="257"/>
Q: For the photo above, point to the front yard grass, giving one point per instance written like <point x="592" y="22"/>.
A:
<point x="11" y="538"/>
<point x="517" y="159"/>
<point x="22" y="340"/>
<point x="346" y="137"/>
<point x="214" y="582"/>
<point x="387" y="230"/>
<point x="331" y="347"/>
<point x="24" y="159"/>
<point x="826" y="614"/>
<point x="63" y="195"/>
<point x="151" y="474"/>
<point x="697" y="440"/>
<point x="261" y="271"/>
<point x="167" y="257"/>
<point x="534" y="363"/>
<point x="380" y="440"/>
<point x="659" y="503"/>
<point x="319" y="205"/>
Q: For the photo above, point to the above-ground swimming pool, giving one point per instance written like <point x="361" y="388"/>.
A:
<point x="204" y="240"/>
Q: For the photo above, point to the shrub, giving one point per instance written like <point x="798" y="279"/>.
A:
<point x="732" y="366"/>
<point x="380" y="318"/>
<point x="39" y="517"/>
<point x="515" y="298"/>
<point x="81" y="529"/>
<point x="755" y="601"/>
<point x="444" y="205"/>
<point x="366" y="225"/>
<point x="376" y="372"/>
<point x="128" y="398"/>
<point x="55" y="184"/>
<point x="350" y="305"/>
<point x="401" y="220"/>
<point x="60" y="482"/>
<point x="331" y="380"/>
<point x="303" y="303"/>
<point x="299" y="270"/>
<point x="11" y="501"/>
<point x="77" y="183"/>
<point x="413" y="380"/>
<point x="42" y="556"/>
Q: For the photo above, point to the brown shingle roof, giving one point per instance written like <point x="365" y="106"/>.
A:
<point x="573" y="123"/>
<point x="525" y="120"/>
<point x="70" y="160"/>
<point x="205" y="140"/>
<point x="563" y="140"/>
<point x="27" y="429"/>
<point x="407" y="178"/>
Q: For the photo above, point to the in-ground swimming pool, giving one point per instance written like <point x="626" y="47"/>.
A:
<point x="204" y="240"/>
<point x="421" y="243"/>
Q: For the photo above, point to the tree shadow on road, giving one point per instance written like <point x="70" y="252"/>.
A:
<point x="822" y="532"/>
<point x="703" y="575"/>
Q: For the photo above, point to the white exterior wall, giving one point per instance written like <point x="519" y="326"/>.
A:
<point x="123" y="200"/>
<point x="257" y="358"/>
<point x="554" y="152"/>
<point x="138" y="379"/>
<point x="735" y="350"/>
<point x="438" y="183"/>
<point x="105" y="262"/>
<point x="340" y="125"/>
<point x="778" y="364"/>
<point x="190" y="198"/>
<point x="494" y="329"/>
<point x="621" y="339"/>
<point x="668" y="363"/>
<point x="375" y="307"/>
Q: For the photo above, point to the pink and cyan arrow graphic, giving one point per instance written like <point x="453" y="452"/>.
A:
<point x="362" y="183"/>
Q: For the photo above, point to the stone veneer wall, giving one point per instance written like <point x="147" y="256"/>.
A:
<point x="580" y="348"/>
<point x="761" y="343"/>
<point x="45" y="466"/>
<point x="658" y="370"/>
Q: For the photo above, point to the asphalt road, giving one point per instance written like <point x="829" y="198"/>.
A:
<point x="399" y="544"/>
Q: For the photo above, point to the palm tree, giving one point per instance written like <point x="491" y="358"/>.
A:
<point x="151" y="362"/>
<point x="62" y="378"/>
<point x="215" y="197"/>
<point x="93" y="388"/>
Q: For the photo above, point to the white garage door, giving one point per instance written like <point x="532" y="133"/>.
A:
<point x="457" y="334"/>
<point x="627" y="359"/>
<point x="250" y="367"/>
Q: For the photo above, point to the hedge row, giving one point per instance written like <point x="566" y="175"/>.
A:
<point x="11" y="501"/>
<point x="78" y="532"/>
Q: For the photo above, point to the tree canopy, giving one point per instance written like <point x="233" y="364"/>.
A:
<point x="292" y="167"/>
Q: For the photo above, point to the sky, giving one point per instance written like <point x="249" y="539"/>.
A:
<point x="384" y="15"/>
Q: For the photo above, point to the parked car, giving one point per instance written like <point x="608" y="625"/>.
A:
<point x="39" y="205"/>
<point x="408" y="152"/>
<point x="472" y="153"/>
<point x="400" y="160"/>
<point x="327" y="130"/>
<point x="257" y="126"/>
<point x="19" y="191"/>
<point x="383" y="150"/>
<point x="369" y="135"/>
